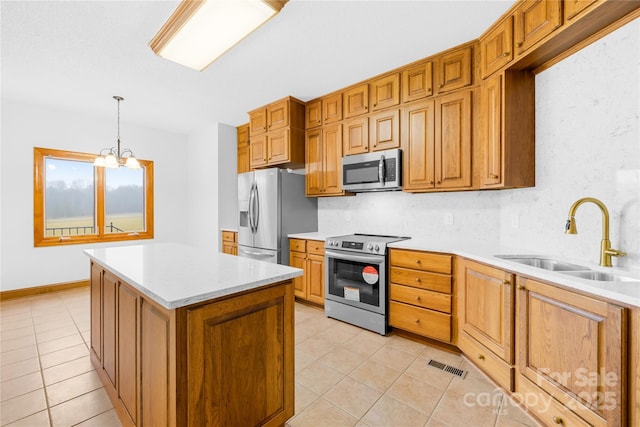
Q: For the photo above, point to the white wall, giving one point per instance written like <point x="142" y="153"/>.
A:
<point x="587" y="144"/>
<point x="228" y="177"/>
<point x="25" y="126"/>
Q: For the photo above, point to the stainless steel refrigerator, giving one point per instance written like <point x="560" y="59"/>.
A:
<point x="272" y="205"/>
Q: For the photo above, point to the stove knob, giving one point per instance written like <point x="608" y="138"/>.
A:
<point x="377" y="248"/>
<point x="370" y="247"/>
<point x="335" y="243"/>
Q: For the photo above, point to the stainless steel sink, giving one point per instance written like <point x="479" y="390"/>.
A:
<point x="601" y="276"/>
<point x="543" y="262"/>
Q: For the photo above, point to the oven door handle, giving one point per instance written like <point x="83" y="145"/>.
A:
<point x="353" y="257"/>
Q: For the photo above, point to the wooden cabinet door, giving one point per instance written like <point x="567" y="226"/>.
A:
<point x="278" y="115"/>
<point x="356" y="136"/>
<point x="243" y="159"/>
<point x="356" y="101"/>
<point x="454" y="70"/>
<point x="258" y="151"/>
<point x="313" y="114"/>
<point x="109" y="325"/>
<point x="384" y="130"/>
<point x="332" y="108"/>
<point x="332" y="159"/>
<point x="573" y="8"/>
<point x="314" y="165"/>
<point x="418" y="144"/>
<point x="315" y="278"/>
<point x="496" y="47"/>
<point x="417" y="82"/>
<point x="453" y="141"/>
<point x="534" y="20"/>
<point x="128" y="374"/>
<point x="258" y="121"/>
<point x="299" y="260"/>
<point x="385" y="92"/>
<point x="243" y="135"/>
<point x="571" y="347"/>
<point x="278" y="143"/>
<point x="96" y="310"/>
<point x="228" y="248"/>
<point x="492" y="153"/>
<point x="487" y="308"/>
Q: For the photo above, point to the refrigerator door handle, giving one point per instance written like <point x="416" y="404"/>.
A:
<point x="250" y="210"/>
<point x="256" y="200"/>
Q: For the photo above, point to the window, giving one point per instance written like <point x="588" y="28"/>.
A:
<point x="75" y="202"/>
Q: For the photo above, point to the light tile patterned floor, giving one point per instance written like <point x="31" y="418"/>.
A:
<point x="345" y="376"/>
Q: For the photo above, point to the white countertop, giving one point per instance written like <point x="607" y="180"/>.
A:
<point x="313" y="235"/>
<point x="176" y="275"/>
<point x="626" y="293"/>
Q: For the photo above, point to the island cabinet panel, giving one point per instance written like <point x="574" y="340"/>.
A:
<point x="240" y="360"/>
<point x="96" y="311"/>
<point x="109" y="322"/>
<point x="571" y="350"/>
<point x="128" y="303"/>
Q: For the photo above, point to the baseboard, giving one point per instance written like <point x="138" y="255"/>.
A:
<point x="37" y="290"/>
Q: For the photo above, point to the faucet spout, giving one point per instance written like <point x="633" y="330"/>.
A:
<point x="606" y="252"/>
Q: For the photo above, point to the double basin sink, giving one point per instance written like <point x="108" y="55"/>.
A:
<point x="569" y="269"/>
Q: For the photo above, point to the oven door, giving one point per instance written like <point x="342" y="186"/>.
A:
<point x="356" y="279"/>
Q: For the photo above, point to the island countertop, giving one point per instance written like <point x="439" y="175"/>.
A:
<point x="175" y="275"/>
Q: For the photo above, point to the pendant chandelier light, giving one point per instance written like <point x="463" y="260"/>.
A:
<point x="114" y="157"/>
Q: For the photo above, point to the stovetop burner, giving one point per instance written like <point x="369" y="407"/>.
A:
<point x="366" y="243"/>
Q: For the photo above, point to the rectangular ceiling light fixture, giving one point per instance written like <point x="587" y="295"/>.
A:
<point x="200" y="31"/>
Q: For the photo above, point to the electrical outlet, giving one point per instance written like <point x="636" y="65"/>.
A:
<point x="448" y="219"/>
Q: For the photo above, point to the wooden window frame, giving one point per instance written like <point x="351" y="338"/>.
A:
<point x="39" y="239"/>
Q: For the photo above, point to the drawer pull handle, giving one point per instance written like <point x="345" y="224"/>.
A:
<point x="480" y="357"/>
<point x="557" y="420"/>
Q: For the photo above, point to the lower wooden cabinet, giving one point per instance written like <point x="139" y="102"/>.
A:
<point x="223" y="362"/>
<point x="229" y="242"/>
<point x="308" y="255"/>
<point x="420" y="292"/>
<point x="571" y="352"/>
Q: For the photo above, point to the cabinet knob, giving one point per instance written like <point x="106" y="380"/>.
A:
<point x="417" y="320"/>
<point x="417" y="278"/>
<point x="428" y="90"/>
<point x="440" y="86"/>
<point x="494" y="176"/>
<point x="417" y="261"/>
<point x="439" y="182"/>
<point x="519" y="44"/>
<point x="480" y="357"/>
<point x="506" y="282"/>
<point x="418" y="299"/>
<point x="520" y="288"/>
<point x="557" y="420"/>
<point x="506" y="54"/>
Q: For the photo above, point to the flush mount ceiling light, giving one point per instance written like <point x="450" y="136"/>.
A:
<point x="115" y="158"/>
<point x="200" y="31"/>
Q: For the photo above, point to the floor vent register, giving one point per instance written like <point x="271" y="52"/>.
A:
<point x="447" y="368"/>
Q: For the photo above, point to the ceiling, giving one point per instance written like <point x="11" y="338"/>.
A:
<point x="78" y="54"/>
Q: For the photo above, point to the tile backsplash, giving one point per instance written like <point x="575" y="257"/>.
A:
<point x="587" y="144"/>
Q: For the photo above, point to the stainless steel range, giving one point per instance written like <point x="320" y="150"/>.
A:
<point x="356" y="279"/>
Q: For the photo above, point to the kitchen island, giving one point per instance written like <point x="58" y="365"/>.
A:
<point x="182" y="337"/>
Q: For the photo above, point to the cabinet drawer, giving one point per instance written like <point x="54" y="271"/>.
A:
<point x="315" y="247"/>
<point x="420" y="297"/>
<point x="420" y="321"/>
<point x="488" y="362"/>
<point x="298" y="245"/>
<point x="550" y="411"/>
<point x="421" y="260"/>
<point x="421" y="279"/>
<point x="228" y="236"/>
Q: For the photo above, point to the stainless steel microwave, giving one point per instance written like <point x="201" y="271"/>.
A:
<point x="378" y="171"/>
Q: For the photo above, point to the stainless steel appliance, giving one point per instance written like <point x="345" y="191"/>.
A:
<point x="356" y="279"/>
<point x="272" y="204"/>
<point x="377" y="171"/>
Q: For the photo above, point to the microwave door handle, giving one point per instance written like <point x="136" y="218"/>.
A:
<point x="381" y="171"/>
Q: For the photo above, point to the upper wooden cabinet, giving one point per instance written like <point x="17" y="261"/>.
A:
<point x="418" y="144"/>
<point x="385" y="92"/>
<point x="355" y="101"/>
<point x="283" y="142"/>
<point x="323" y="161"/>
<point x="356" y="136"/>
<point x="313" y="114"/>
<point x="384" y="130"/>
<point x="332" y="108"/>
<point x="243" y="148"/>
<point x="507" y="138"/>
<point x="570" y="355"/>
<point x="453" y="140"/>
<point x="573" y="8"/>
<point x="454" y="69"/>
<point x="496" y="47"/>
<point x="417" y="82"/>
<point x="533" y="21"/>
